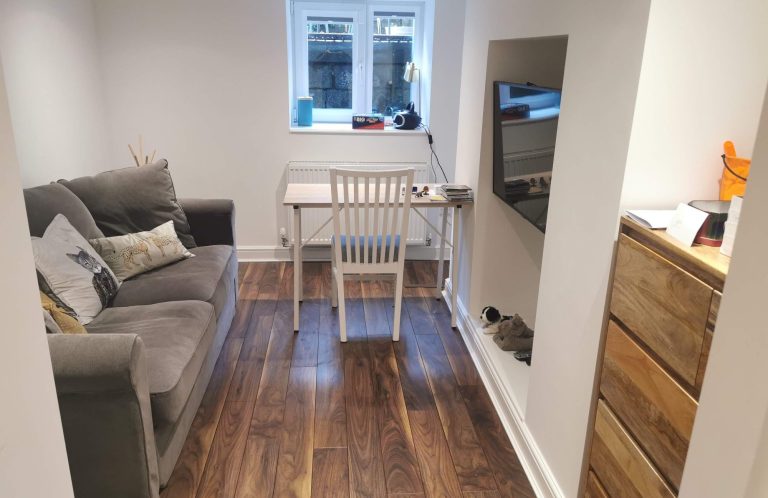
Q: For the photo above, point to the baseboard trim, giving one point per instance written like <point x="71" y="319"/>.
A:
<point x="542" y="480"/>
<point x="319" y="253"/>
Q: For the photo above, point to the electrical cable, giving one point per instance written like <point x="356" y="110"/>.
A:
<point x="433" y="154"/>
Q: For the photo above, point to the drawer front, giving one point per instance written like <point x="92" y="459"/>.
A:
<point x="708" y="335"/>
<point x="664" y="305"/>
<point x="648" y="402"/>
<point x="620" y="464"/>
<point x="594" y="488"/>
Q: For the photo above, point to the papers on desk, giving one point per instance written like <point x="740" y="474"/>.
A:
<point x="652" y="218"/>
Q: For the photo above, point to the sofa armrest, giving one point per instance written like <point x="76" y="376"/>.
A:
<point x="103" y="391"/>
<point x="212" y="220"/>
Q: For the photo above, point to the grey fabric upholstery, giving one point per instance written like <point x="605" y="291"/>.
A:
<point x="131" y="200"/>
<point x="177" y="336"/>
<point x="195" y="278"/>
<point x="121" y="440"/>
<point x="212" y="221"/>
<point x="46" y="201"/>
<point x="103" y="392"/>
<point x="170" y="439"/>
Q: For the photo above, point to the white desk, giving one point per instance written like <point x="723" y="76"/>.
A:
<point x="305" y="195"/>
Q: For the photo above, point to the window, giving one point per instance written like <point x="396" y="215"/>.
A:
<point x="351" y="57"/>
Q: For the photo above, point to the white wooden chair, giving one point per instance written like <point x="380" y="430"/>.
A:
<point x="373" y="224"/>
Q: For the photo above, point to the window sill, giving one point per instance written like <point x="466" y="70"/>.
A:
<point x="346" y="129"/>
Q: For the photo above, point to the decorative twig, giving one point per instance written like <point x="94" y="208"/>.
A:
<point x="141" y="159"/>
<point x="133" y="154"/>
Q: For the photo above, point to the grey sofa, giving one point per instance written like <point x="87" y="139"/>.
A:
<point x="128" y="391"/>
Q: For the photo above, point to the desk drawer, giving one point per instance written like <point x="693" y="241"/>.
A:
<point x="662" y="304"/>
<point x="620" y="464"/>
<point x="653" y="407"/>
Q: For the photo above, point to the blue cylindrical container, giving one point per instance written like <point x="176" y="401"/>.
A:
<point x="304" y="114"/>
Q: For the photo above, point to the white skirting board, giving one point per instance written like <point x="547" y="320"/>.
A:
<point x="533" y="462"/>
<point x="319" y="253"/>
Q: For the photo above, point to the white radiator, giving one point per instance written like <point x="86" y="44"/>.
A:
<point x="318" y="172"/>
<point x="528" y="162"/>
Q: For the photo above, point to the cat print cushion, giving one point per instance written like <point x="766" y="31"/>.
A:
<point x="71" y="272"/>
<point x="135" y="253"/>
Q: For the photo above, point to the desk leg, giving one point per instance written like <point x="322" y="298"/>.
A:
<point x="455" y="255"/>
<point x="441" y="260"/>
<point x="297" y="264"/>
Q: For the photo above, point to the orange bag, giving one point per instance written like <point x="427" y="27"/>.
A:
<point x="735" y="173"/>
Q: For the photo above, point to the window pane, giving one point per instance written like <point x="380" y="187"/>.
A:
<point x="329" y="42"/>
<point x="392" y="49"/>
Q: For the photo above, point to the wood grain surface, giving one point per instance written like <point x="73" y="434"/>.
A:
<point x="594" y="488"/>
<point x="619" y="463"/>
<point x="300" y="414"/>
<point x="704" y="262"/>
<point x="655" y="409"/>
<point x="709" y="334"/>
<point x="662" y="304"/>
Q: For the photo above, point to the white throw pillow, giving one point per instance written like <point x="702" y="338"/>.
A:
<point x="71" y="272"/>
<point x="135" y="253"/>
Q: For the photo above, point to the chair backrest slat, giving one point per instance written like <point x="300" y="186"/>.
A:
<point x="393" y="234"/>
<point x="387" y="208"/>
<point x="356" y="240"/>
<point x="347" y="215"/>
<point x="366" y="226"/>
<point x="376" y="193"/>
<point x="373" y="225"/>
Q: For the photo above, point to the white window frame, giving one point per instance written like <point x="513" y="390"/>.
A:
<point x="362" y="51"/>
<point x="304" y="10"/>
<point x="417" y="10"/>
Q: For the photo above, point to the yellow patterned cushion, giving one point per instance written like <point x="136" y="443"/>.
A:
<point x="135" y="253"/>
<point x="67" y="323"/>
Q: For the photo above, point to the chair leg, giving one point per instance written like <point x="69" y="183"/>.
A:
<point x="342" y="308"/>
<point x="334" y="283"/>
<point x="398" y="305"/>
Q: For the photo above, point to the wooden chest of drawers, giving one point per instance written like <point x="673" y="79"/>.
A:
<point x="663" y="309"/>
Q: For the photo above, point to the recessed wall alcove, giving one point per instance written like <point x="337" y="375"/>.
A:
<point x="508" y="249"/>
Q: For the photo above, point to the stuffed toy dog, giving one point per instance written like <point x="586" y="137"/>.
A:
<point x="514" y="335"/>
<point x="491" y="318"/>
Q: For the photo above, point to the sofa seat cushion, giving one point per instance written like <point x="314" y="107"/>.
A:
<point x="196" y="279"/>
<point x="177" y="336"/>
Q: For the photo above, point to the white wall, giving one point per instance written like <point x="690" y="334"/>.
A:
<point x="33" y="459"/>
<point x="702" y="82"/>
<point x="513" y="244"/>
<point x="54" y="88"/>
<point x="207" y="84"/>
<point x="670" y="144"/>
<point x="729" y="447"/>
<point x="592" y="140"/>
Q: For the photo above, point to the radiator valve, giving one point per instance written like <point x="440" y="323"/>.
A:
<point x="429" y="239"/>
<point x="284" y="237"/>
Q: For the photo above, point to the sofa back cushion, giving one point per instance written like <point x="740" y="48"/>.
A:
<point x="46" y="201"/>
<point x="131" y="200"/>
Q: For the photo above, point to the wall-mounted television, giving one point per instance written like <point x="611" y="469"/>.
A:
<point x="525" y="121"/>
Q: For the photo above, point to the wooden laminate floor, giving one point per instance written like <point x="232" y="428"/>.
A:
<point x="303" y="415"/>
